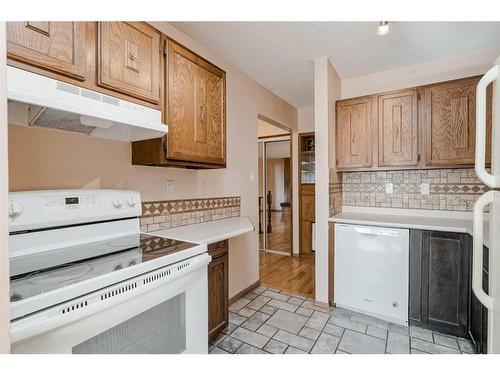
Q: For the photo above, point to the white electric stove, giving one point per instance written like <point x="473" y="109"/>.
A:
<point x="85" y="280"/>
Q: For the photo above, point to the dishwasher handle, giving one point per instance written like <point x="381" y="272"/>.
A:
<point x="376" y="231"/>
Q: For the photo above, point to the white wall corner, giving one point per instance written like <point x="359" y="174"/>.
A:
<point x="4" y="189"/>
<point x="326" y="91"/>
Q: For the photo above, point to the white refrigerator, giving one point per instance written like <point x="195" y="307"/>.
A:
<point x="490" y="199"/>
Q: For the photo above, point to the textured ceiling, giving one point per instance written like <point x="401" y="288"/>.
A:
<point x="279" y="55"/>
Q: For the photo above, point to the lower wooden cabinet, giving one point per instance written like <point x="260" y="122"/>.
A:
<point x="478" y="320"/>
<point x="440" y="288"/>
<point x="218" y="289"/>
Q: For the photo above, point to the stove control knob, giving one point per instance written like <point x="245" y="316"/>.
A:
<point x="15" y="209"/>
<point x="117" y="202"/>
<point x="131" y="202"/>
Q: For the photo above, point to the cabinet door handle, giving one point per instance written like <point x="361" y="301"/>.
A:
<point x="133" y="56"/>
<point x="202" y="113"/>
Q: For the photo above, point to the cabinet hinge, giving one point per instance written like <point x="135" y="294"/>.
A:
<point x="418" y="158"/>
<point x="418" y="96"/>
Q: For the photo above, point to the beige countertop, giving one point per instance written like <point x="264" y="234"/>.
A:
<point x="446" y="221"/>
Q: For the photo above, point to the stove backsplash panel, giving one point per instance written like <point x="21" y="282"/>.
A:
<point x="158" y="215"/>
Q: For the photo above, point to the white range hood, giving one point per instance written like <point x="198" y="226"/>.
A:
<point x="35" y="100"/>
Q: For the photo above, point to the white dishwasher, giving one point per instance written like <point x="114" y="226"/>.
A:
<point x="371" y="271"/>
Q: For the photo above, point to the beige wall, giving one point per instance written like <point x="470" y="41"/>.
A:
<point x="49" y="159"/>
<point x="4" y="251"/>
<point x="306" y="119"/>
<point x="275" y="181"/>
<point x="454" y="67"/>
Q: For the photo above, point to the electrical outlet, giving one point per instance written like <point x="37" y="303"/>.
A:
<point x="424" y="189"/>
<point x="170" y="186"/>
<point x="389" y="188"/>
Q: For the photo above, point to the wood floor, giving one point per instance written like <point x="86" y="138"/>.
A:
<point x="288" y="273"/>
<point x="279" y="239"/>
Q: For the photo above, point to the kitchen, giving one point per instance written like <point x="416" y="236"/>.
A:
<point x="163" y="181"/>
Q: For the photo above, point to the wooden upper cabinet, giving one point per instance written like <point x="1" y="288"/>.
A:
<point x="354" y="139"/>
<point x="55" y="46"/>
<point x="195" y="108"/>
<point x="398" y="129"/>
<point x="129" y="59"/>
<point x="451" y="123"/>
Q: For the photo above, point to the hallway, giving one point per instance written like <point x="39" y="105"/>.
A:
<point x="280" y="238"/>
<point x="292" y="274"/>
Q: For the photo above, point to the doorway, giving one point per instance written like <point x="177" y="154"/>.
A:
<point x="280" y="268"/>
<point x="275" y="222"/>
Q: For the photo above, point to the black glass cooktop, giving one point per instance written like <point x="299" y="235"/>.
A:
<point x="44" y="271"/>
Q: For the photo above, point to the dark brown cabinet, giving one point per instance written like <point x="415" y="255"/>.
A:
<point x="478" y="326"/>
<point x="440" y="267"/>
<point x="218" y="289"/>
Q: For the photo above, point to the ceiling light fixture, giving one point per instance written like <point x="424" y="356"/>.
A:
<point x="383" y="28"/>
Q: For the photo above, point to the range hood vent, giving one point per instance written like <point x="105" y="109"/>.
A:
<point x="39" y="101"/>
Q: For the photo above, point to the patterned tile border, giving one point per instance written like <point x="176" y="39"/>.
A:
<point x="176" y="213"/>
<point x="187" y="205"/>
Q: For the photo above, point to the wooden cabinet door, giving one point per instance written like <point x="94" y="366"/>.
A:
<point x="218" y="289"/>
<point x="129" y="59"/>
<point x="451" y="123"/>
<point x="354" y="140"/>
<point x="55" y="46"/>
<point x="440" y="262"/>
<point x="195" y="108"/>
<point x="398" y="129"/>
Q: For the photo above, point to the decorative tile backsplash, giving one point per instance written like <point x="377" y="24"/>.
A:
<point x="449" y="189"/>
<point x="176" y="213"/>
<point x="335" y="192"/>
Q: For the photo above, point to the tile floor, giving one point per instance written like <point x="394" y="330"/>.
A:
<point x="271" y="321"/>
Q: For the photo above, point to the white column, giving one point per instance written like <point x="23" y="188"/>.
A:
<point x="4" y="189"/>
<point x="326" y="91"/>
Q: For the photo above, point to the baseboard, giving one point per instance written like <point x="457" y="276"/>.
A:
<point x="237" y="296"/>
<point x="324" y="305"/>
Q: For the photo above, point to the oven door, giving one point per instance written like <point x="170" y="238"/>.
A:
<point x="163" y="311"/>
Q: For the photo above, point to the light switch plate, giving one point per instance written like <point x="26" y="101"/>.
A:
<point x="424" y="188"/>
<point x="389" y="188"/>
